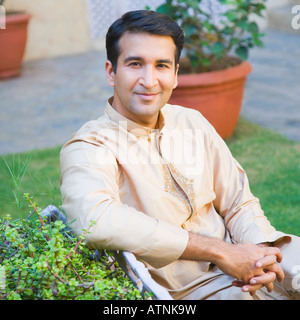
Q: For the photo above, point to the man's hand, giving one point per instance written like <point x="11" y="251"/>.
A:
<point x="271" y="271"/>
<point x="248" y="261"/>
<point x="253" y="266"/>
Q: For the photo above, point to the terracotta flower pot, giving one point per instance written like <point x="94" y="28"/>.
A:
<point x="12" y="43"/>
<point x="217" y="95"/>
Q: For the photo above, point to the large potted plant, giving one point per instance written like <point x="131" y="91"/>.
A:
<point x="13" y="40"/>
<point x="213" y="69"/>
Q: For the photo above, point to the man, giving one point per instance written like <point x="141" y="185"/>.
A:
<point x="159" y="182"/>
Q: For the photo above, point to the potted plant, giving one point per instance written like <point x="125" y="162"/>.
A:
<point x="213" y="68"/>
<point x="13" y="42"/>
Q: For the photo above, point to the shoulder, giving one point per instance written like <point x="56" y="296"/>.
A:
<point x="89" y="144"/>
<point x="92" y="135"/>
<point x="94" y="131"/>
<point x="187" y="117"/>
<point x="182" y="118"/>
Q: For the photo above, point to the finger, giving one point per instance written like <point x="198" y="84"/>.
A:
<point x="238" y="283"/>
<point x="265" y="279"/>
<point x="276" y="251"/>
<point x="251" y="288"/>
<point x="277" y="270"/>
<point x="266" y="261"/>
<point x="270" y="286"/>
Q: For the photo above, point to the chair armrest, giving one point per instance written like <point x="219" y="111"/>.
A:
<point x="140" y="276"/>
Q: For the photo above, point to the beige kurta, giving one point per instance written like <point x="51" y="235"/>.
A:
<point x="145" y="189"/>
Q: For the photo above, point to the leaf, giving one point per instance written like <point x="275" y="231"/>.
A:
<point x="228" y="2"/>
<point x="217" y="48"/>
<point x="207" y="25"/>
<point x="189" y="30"/>
<point x="243" y="25"/>
<point x="242" y="52"/>
<point x="167" y="10"/>
<point x="227" y="30"/>
<point x="231" y="15"/>
<point x="258" y="42"/>
<point x="205" y="62"/>
<point x="253" y="27"/>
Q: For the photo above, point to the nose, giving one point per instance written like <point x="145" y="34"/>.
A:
<point x="148" y="78"/>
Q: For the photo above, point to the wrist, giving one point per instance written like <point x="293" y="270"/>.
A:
<point x="222" y="252"/>
<point x="205" y="249"/>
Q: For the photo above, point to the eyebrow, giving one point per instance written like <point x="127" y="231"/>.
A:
<point x="136" y="58"/>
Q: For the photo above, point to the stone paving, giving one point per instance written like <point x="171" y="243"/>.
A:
<point x="51" y="100"/>
<point x="54" y="97"/>
<point x="272" y="94"/>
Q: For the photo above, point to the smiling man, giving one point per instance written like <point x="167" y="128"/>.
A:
<point x="191" y="219"/>
<point x="145" y="77"/>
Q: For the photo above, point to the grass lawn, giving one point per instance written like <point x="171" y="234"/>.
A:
<point x="40" y="180"/>
<point x="271" y="161"/>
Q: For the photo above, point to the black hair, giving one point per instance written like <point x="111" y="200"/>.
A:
<point x="142" y="21"/>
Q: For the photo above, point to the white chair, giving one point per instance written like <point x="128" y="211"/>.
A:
<point x="140" y="276"/>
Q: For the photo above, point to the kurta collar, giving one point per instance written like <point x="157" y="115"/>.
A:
<point x="130" y="125"/>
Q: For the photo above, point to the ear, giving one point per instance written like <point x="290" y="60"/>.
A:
<point x="110" y="75"/>
<point x="176" y="77"/>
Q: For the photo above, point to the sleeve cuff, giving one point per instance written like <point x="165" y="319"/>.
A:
<point x="170" y="245"/>
<point x="285" y="239"/>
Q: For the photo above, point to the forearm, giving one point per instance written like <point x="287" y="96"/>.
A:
<point x="203" y="248"/>
<point x="236" y="260"/>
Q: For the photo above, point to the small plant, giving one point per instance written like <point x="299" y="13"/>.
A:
<point x="17" y="170"/>
<point x="45" y="261"/>
<point x="212" y="45"/>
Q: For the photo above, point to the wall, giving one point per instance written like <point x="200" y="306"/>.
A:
<point x="56" y="28"/>
<point x="103" y="13"/>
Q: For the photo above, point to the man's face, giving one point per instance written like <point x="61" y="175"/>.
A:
<point x="145" y="78"/>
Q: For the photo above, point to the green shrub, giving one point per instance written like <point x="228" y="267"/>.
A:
<point x="42" y="261"/>
<point x="210" y="42"/>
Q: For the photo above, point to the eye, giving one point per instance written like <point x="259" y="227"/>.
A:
<point x="162" y="66"/>
<point x="135" y="64"/>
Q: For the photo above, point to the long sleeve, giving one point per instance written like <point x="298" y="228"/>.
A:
<point x="240" y="209"/>
<point x="90" y="191"/>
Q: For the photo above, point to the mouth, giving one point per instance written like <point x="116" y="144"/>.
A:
<point x="146" y="96"/>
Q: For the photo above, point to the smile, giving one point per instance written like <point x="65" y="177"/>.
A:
<point x="146" y="96"/>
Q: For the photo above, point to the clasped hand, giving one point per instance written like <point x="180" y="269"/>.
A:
<point x="256" y="266"/>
